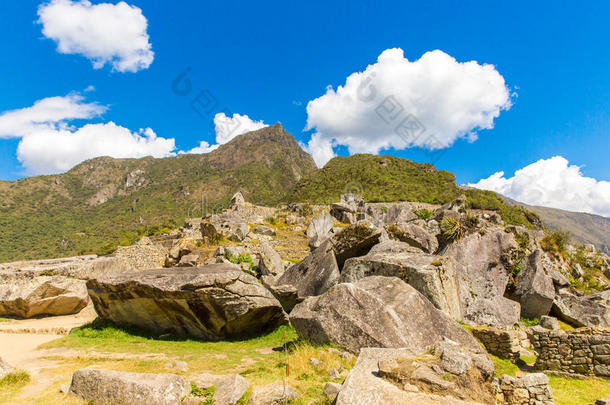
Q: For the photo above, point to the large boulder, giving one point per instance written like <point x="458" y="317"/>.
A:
<point x="588" y="310"/>
<point x="415" y="235"/>
<point x="422" y="271"/>
<point x="478" y="262"/>
<point x="271" y="264"/>
<point x="320" y="229"/>
<point x="28" y="295"/>
<point x="379" y="378"/>
<point x="115" y="387"/>
<point x="213" y="302"/>
<point x="349" y="210"/>
<point x="355" y="240"/>
<point x="272" y="394"/>
<point x="315" y="274"/>
<point x="376" y="312"/>
<point x="230" y="390"/>
<point x="229" y="224"/>
<point x="535" y="291"/>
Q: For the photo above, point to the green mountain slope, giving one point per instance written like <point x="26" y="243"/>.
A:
<point x="390" y="179"/>
<point x="104" y="202"/>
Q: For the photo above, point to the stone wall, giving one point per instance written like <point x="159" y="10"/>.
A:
<point x="584" y="351"/>
<point x="504" y="343"/>
<point x="530" y="389"/>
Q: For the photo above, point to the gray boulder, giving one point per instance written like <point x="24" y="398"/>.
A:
<point x="315" y="274"/>
<point x="422" y="271"/>
<point x="376" y="312"/>
<point x="549" y="322"/>
<point x="588" y="310"/>
<point x="414" y="235"/>
<point x="228" y="224"/>
<point x="115" y="387"/>
<point x="535" y="291"/>
<point x="482" y="276"/>
<point x="559" y="280"/>
<point x="28" y="295"/>
<point x="230" y="390"/>
<point x="320" y="229"/>
<point x="189" y="260"/>
<point x="271" y="264"/>
<point x="272" y="394"/>
<point x="264" y="230"/>
<point x="214" y="302"/>
<point x="355" y="240"/>
<point x="349" y="210"/>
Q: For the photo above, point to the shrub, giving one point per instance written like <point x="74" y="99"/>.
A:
<point x="423" y="213"/>
<point x="555" y="242"/>
<point x="243" y="258"/>
<point x="305" y="210"/>
<point x="271" y="220"/>
<point x="214" y="239"/>
<point x="452" y="229"/>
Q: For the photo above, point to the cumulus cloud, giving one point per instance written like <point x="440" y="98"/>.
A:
<point x="227" y="128"/>
<point x="49" y="144"/>
<point x="396" y="103"/>
<point x="552" y="183"/>
<point x="104" y="33"/>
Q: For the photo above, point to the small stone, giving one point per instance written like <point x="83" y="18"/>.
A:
<point x="315" y="362"/>
<point x="176" y="365"/>
<point x="332" y="390"/>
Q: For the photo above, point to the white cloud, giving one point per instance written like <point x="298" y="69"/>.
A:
<point x="47" y="152"/>
<point x="227" y="128"/>
<point x="104" y="33"/>
<point x="552" y="183"/>
<point x="374" y="109"/>
<point x="49" y="144"/>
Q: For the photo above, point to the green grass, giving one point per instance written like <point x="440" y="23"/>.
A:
<point x="11" y="383"/>
<point x="254" y="358"/>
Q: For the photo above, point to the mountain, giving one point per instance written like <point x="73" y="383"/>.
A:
<point x="104" y="201"/>
<point x="390" y="179"/>
<point x="584" y="228"/>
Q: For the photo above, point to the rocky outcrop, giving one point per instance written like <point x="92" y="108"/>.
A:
<point x="349" y="210"/>
<point x="28" y="295"/>
<point x="376" y="312"/>
<point x="320" y="229"/>
<point x="535" y="291"/>
<point x="588" y="310"/>
<point x="115" y="387"/>
<point x="482" y="277"/>
<point x="214" y="302"/>
<point x="355" y="240"/>
<point x="229" y="224"/>
<point x="315" y="274"/>
<point x="422" y="271"/>
<point x="415" y="235"/>
<point x="380" y="377"/>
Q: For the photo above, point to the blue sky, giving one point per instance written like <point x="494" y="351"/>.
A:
<point x="269" y="59"/>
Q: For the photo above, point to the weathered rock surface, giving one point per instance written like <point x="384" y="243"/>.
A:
<point x="5" y="368"/>
<point x="214" y="302"/>
<point x="271" y="264"/>
<point x="355" y="240"/>
<point x="264" y="230"/>
<point x="535" y="290"/>
<point x="315" y="274"/>
<point x="482" y="277"/>
<point x="364" y="386"/>
<point x="529" y="389"/>
<point x="230" y="390"/>
<point x="115" y="387"/>
<point x="28" y="295"/>
<point x="228" y="224"/>
<point x="349" y="210"/>
<point x="376" y="312"/>
<point x="549" y="322"/>
<point x="414" y="235"/>
<point x="422" y="271"/>
<point x="272" y="394"/>
<point x="320" y="229"/>
<point x="588" y="310"/>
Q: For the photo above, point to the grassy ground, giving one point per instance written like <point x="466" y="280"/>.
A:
<point x="12" y="383"/>
<point x="566" y="391"/>
<point x="260" y="360"/>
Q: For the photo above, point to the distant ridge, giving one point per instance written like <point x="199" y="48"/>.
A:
<point x="584" y="228"/>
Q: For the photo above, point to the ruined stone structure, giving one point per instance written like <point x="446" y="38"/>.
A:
<point x="504" y="343"/>
<point x="584" y="351"/>
<point x="530" y="389"/>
